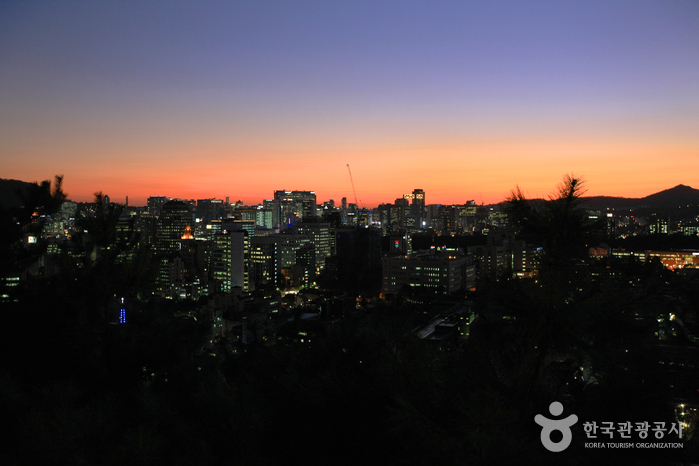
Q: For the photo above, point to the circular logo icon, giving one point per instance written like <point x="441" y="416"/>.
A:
<point x="562" y="425"/>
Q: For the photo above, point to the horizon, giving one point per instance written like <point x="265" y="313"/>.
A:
<point x="464" y="100"/>
<point x="320" y="200"/>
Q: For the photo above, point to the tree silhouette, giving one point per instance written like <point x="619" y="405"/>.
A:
<point x="39" y="201"/>
<point x="559" y="225"/>
<point x="537" y="333"/>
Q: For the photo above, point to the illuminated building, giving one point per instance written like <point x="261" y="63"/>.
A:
<point x="443" y="271"/>
<point x="417" y="207"/>
<point x="319" y="235"/>
<point x="211" y="228"/>
<point x="260" y="216"/>
<point x="658" y="224"/>
<point x="174" y="219"/>
<point x="264" y="218"/>
<point x="264" y="259"/>
<point x="401" y="244"/>
<point x="209" y="209"/>
<point x="125" y="236"/>
<point x="352" y="214"/>
<point x="364" y="218"/>
<point x="690" y="230"/>
<point x="384" y="215"/>
<point x="196" y="254"/>
<point x="122" y="312"/>
<point x="413" y="213"/>
<point x="187" y="233"/>
<point x="230" y="259"/>
<point x="289" y="242"/>
<point x="468" y="216"/>
<point x="155" y="204"/>
<point x="448" y="216"/>
<point x="247" y="225"/>
<point x="304" y="271"/>
<point x="402" y="211"/>
<point x="293" y="206"/>
<point x="670" y="259"/>
<point x="61" y="224"/>
<point x="8" y="285"/>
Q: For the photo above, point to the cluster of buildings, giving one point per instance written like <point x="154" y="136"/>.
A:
<point x="208" y="246"/>
<point x="625" y="223"/>
<point x="223" y="252"/>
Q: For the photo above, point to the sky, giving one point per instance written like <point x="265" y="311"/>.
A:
<point x="466" y="100"/>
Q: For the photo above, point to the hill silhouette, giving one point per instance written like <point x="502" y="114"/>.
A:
<point x="11" y="192"/>
<point x="680" y="195"/>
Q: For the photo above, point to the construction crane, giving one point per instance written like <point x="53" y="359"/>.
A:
<point x="353" y="190"/>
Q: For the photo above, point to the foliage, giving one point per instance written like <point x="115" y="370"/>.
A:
<point x="40" y="200"/>
<point x="558" y="224"/>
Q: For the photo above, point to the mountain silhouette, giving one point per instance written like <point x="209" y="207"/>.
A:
<point x="11" y="192"/>
<point x="680" y="195"/>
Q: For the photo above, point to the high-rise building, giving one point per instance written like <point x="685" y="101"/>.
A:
<point x="247" y="225"/>
<point x="417" y="208"/>
<point x="263" y="218"/>
<point x="414" y="214"/>
<point x="291" y="207"/>
<point x="449" y="216"/>
<point x="174" y="219"/>
<point x="209" y="209"/>
<point x="319" y="235"/>
<point x="658" y="224"/>
<point x="125" y="236"/>
<point x="264" y="259"/>
<point x="364" y="217"/>
<point x="343" y="211"/>
<point x="197" y="259"/>
<point x="352" y="214"/>
<point x="401" y="211"/>
<point x="304" y="271"/>
<point x="289" y="242"/>
<point x="230" y="259"/>
<point x="155" y="204"/>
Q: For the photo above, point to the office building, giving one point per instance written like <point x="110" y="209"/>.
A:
<point x="291" y="207"/>
<point x="174" y="219"/>
<point x="264" y="260"/>
<point x="155" y="204"/>
<point x="319" y="235"/>
<point x="231" y="259"/>
<point x="443" y="271"/>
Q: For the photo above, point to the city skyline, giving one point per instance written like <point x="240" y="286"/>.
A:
<point x="350" y="201"/>
<point x="465" y="101"/>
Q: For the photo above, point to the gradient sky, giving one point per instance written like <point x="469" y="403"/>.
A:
<point x="463" y="99"/>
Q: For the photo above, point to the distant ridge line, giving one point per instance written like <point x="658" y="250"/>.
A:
<point x="668" y="198"/>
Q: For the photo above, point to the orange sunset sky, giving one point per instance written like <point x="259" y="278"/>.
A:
<point x="464" y="100"/>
